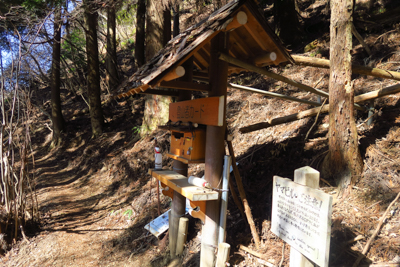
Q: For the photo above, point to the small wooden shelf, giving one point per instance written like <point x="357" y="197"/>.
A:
<point x="179" y="183"/>
<point x="182" y="159"/>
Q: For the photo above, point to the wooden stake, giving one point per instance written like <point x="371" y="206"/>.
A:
<point x="182" y="235"/>
<point x="242" y="193"/>
<point x="309" y="177"/>
<point x="223" y="254"/>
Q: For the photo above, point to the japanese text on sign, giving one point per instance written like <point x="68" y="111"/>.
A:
<point x="301" y="217"/>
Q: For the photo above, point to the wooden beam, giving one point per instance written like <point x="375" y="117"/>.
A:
<point x="265" y="59"/>
<point x="271" y="94"/>
<point x="239" y="20"/>
<point x="174" y="74"/>
<point x="324" y="63"/>
<point x="185" y="86"/>
<point x="314" y="111"/>
<point x="256" y="35"/>
<point x="159" y="92"/>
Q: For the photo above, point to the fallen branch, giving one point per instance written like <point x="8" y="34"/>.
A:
<point x="378" y="228"/>
<point x="258" y="255"/>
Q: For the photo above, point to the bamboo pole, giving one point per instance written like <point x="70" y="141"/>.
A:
<point x="275" y="76"/>
<point x="242" y="193"/>
<point x="325" y="63"/>
<point x="272" y="75"/>
<point x="272" y="94"/>
<point x="314" y="111"/>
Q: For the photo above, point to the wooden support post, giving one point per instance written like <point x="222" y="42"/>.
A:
<point x="309" y="177"/>
<point x="177" y="209"/>
<point x="242" y="193"/>
<point x="215" y="150"/>
<point x="179" y="201"/>
<point x="182" y="235"/>
<point x="223" y="254"/>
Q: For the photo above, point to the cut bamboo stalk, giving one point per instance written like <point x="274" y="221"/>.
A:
<point x="182" y="235"/>
<point x="223" y="254"/>
<point x="324" y="63"/>
<point x="242" y="193"/>
<point x="278" y="77"/>
<point x="174" y="74"/>
<point x="272" y="94"/>
<point x="314" y="111"/>
<point x="239" y="20"/>
<point x="272" y="75"/>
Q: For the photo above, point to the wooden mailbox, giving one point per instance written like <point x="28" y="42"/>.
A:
<point x="188" y="146"/>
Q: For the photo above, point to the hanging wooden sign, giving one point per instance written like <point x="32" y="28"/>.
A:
<point x="208" y="111"/>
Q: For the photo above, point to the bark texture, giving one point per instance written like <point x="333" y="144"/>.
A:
<point x="56" y="114"/>
<point x="140" y="32"/>
<point x="111" y="56"/>
<point x="93" y="75"/>
<point x="343" y="161"/>
<point x="156" y="106"/>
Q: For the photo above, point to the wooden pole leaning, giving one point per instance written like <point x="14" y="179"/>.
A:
<point x="314" y="111"/>
<point x="215" y="150"/>
<point x="242" y="193"/>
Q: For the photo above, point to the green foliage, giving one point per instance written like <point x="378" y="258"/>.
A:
<point x="129" y="213"/>
<point x="74" y="48"/>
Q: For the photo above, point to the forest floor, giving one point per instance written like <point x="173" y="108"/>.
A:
<point x="95" y="195"/>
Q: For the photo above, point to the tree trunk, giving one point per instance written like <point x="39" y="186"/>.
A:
<point x="111" y="57"/>
<point x="176" y="29"/>
<point x="343" y="161"/>
<point x="56" y="114"/>
<point x="287" y="24"/>
<point x="167" y="25"/>
<point x="93" y="75"/>
<point x="156" y="107"/>
<point x="140" y="32"/>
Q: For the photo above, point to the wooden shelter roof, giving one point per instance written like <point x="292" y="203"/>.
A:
<point x="251" y="40"/>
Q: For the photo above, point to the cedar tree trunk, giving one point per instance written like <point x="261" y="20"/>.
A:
<point x="343" y="162"/>
<point x="56" y="115"/>
<point x="140" y="32"/>
<point x="93" y="75"/>
<point x="111" y="57"/>
<point x="156" y="107"/>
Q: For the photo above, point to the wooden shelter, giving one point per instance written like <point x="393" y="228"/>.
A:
<point x="192" y="62"/>
<point x="250" y="40"/>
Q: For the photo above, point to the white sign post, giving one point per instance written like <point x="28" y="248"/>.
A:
<point x="301" y="216"/>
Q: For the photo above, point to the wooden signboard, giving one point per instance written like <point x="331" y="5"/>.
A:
<point x="208" y="111"/>
<point x="301" y="216"/>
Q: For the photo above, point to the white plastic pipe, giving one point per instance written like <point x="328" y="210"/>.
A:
<point x="224" y="199"/>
